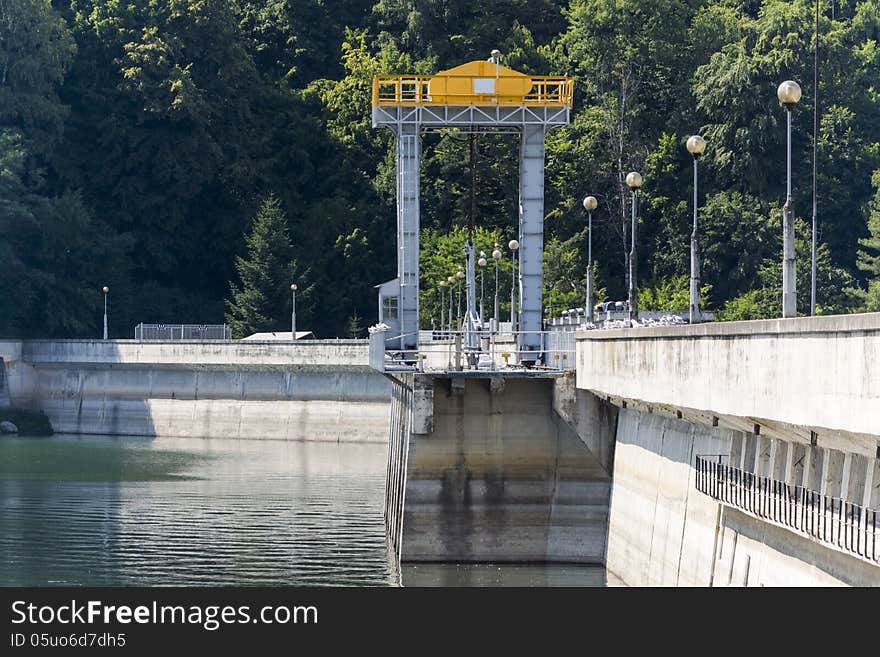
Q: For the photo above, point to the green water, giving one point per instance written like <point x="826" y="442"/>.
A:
<point x="131" y="511"/>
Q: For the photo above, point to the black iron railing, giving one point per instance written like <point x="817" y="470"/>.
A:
<point x="830" y="520"/>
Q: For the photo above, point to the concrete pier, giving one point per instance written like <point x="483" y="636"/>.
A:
<point x="495" y="474"/>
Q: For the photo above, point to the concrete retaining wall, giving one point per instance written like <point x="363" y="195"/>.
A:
<point x="315" y="390"/>
<point x="20" y="376"/>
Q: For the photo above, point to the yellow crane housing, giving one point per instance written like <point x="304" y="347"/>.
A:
<point x="478" y="83"/>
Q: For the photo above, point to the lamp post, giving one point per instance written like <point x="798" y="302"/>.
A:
<point x="496" y="256"/>
<point x="106" y="291"/>
<point x="482" y="262"/>
<point x="293" y="311"/>
<point x="814" y="265"/>
<point x="451" y="282"/>
<point x="459" y="275"/>
<point x="633" y="181"/>
<point x="442" y="307"/>
<point x="789" y="93"/>
<point x="696" y="145"/>
<point x="513" y="245"/>
<point x="590" y="204"/>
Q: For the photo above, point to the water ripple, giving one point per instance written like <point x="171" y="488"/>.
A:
<point x="260" y="513"/>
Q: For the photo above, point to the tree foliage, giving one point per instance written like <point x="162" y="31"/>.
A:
<point x="138" y="139"/>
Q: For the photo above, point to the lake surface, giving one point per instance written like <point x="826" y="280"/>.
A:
<point x="132" y="511"/>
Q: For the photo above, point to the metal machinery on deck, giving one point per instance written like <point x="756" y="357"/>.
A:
<point x="480" y="96"/>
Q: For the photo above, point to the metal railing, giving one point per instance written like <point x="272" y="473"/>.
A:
<point x="412" y="90"/>
<point x="447" y="350"/>
<point x="182" y="332"/>
<point x="576" y="318"/>
<point x="830" y="520"/>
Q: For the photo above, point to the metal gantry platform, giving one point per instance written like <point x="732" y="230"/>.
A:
<point x="480" y="96"/>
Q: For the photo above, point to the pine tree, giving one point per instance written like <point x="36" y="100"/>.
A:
<point x="261" y="301"/>
<point x="355" y="325"/>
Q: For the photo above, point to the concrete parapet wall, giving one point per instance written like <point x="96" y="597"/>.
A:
<point x="816" y="372"/>
<point x="335" y="354"/>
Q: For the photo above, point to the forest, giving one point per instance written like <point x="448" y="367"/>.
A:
<point x="199" y="156"/>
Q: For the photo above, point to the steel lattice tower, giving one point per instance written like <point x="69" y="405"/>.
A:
<point x="479" y="96"/>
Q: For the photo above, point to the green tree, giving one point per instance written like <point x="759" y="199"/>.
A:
<point x="455" y="31"/>
<point x="170" y="137"/>
<point x="261" y="300"/>
<point x="869" y="255"/>
<point x="565" y="274"/>
<point x="672" y="294"/>
<point x="297" y="41"/>
<point x="164" y="123"/>
<point x="36" y="49"/>
<point x="355" y="326"/>
<point x="56" y="256"/>
<point x="440" y="256"/>
<point x="837" y="290"/>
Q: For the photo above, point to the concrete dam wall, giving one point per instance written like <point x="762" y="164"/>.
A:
<point x="746" y="453"/>
<point x="665" y="532"/>
<point x="312" y="390"/>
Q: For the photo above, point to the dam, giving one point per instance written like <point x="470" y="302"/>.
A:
<point x="697" y="454"/>
<point x="739" y="453"/>
<point x="702" y="454"/>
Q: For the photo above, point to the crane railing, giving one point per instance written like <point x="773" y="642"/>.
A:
<point x="453" y="90"/>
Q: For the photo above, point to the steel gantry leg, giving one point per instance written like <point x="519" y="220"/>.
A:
<point x="531" y="241"/>
<point x="408" y="154"/>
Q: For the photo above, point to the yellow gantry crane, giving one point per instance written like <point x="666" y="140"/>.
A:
<point x="479" y="96"/>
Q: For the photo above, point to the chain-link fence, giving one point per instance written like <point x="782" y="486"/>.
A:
<point x="182" y="332"/>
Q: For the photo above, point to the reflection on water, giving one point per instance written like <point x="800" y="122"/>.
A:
<point x="441" y="574"/>
<point x="134" y="511"/>
<point x="117" y="511"/>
